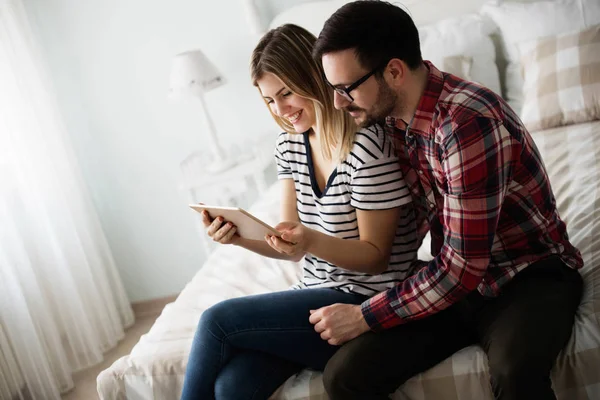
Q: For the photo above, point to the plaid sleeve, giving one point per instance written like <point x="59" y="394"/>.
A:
<point x="478" y="163"/>
<point x="281" y="151"/>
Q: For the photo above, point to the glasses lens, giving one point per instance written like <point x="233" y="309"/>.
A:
<point x="344" y="94"/>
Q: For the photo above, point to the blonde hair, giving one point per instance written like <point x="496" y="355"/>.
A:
<point x="286" y="52"/>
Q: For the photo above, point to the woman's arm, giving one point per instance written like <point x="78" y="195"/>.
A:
<point x="370" y="254"/>
<point x="263" y="248"/>
<point x="377" y="193"/>
<point x="289" y="209"/>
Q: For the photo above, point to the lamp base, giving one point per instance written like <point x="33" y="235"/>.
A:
<point x="220" y="165"/>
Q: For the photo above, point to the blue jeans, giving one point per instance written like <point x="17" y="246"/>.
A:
<point x="245" y="348"/>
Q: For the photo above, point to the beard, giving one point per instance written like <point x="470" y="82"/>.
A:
<point x="387" y="100"/>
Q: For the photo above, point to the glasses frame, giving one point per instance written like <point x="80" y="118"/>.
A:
<point x="345" y="92"/>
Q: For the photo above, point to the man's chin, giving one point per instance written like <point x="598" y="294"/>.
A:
<point x="360" y="122"/>
<point x="359" y="118"/>
<point x="362" y="119"/>
<point x="365" y="122"/>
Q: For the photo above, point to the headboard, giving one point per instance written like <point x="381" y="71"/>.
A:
<point x="262" y="12"/>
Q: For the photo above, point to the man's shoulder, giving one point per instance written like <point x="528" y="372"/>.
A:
<point x="462" y="102"/>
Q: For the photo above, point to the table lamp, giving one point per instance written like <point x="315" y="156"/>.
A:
<point x="192" y="75"/>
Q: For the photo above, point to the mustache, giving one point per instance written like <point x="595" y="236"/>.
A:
<point x="352" y="108"/>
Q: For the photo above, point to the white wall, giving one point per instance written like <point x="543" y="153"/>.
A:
<point x="110" y="60"/>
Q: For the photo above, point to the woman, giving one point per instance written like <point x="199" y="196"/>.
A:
<point x="346" y="211"/>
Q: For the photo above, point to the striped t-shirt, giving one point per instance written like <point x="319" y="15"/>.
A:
<point x="368" y="179"/>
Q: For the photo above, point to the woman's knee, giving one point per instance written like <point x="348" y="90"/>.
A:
<point x="212" y="318"/>
<point x="226" y="389"/>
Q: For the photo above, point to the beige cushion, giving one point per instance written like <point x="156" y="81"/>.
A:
<point x="457" y="65"/>
<point x="523" y="20"/>
<point x="562" y="79"/>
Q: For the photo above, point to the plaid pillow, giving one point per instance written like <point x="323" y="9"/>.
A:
<point x="561" y="79"/>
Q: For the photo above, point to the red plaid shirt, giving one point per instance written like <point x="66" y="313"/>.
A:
<point x="478" y="181"/>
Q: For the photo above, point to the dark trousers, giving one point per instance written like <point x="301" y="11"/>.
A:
<point x="522" y="332"/>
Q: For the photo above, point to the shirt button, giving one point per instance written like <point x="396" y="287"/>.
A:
<point x="420" y="172"/>
<point x="431" y="205"/>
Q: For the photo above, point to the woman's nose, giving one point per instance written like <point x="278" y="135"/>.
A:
<point x="279" y="107"/>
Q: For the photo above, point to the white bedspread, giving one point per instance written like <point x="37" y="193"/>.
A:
<point x="156" y="365"/>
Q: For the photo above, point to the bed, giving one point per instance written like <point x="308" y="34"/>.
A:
<point x="155" y="367"/>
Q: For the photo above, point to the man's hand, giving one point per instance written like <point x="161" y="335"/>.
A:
<point x="339" y="323"/>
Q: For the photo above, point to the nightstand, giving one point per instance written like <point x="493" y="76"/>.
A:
<point x="236" y="186"/>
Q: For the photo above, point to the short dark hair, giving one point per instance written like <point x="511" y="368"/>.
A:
<point x="377" y="30"/>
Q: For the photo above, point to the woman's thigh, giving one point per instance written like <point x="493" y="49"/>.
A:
<point x="276" y="323"/>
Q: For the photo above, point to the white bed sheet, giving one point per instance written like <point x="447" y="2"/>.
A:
<point x="156" y="365"/>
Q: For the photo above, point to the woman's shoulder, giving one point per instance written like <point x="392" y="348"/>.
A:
<point x="287" y="140"/>
<point x="371" y="143"/>
<point x="370" y="134"/>
<point x="282" y="137"/>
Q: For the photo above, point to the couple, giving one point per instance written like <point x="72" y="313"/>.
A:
<point x="433" y="153"/>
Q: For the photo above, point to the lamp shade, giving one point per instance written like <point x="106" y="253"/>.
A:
<point x="192" y="73"/>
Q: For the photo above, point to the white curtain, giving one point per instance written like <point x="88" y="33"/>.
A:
<point x="62" y="303"/>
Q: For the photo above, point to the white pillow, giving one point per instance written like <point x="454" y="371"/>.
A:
<point x="460" y="66"/>
<point x="311" y="16"/>
<point x="467" y="36"/>
<point x="520" y="22"/>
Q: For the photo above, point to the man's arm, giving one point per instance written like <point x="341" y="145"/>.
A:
<point x="478" y="163"/>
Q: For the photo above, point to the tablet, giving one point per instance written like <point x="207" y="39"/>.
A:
<point x="248" y="226"/>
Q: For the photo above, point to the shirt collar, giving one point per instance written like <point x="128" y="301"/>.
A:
<point x="422" y="119"/>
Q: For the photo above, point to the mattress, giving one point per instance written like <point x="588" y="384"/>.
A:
<point x="155" y="368"/>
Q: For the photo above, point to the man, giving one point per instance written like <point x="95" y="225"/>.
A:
<point x="504" y="274"/>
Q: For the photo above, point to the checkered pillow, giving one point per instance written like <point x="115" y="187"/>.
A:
<point x="457" y="65"/>
<point x="561" y="79"/>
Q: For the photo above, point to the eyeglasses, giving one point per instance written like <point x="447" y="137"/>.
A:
<point x="345" y="92"/>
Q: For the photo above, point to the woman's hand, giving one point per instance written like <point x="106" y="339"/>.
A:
<point x="219" y="230"/>
<point x="294" y="240"/>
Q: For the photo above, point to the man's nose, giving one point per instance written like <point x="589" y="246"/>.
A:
<point x="339" y="101"/>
